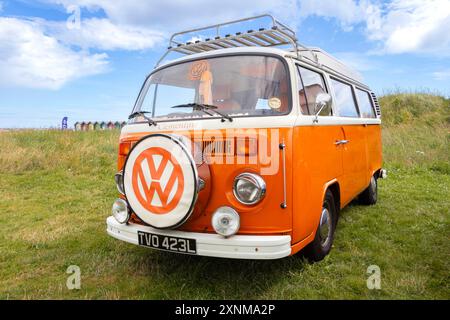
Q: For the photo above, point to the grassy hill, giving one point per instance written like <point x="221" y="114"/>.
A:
<point x="57" y="189"/>
<point x="416" y="131"/>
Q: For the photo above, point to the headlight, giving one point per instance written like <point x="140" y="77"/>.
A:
<point x="120" y="211"/>
<point x="226" y="221"/>
<point x="249" y="188"/>
<point x="118" y="178"/>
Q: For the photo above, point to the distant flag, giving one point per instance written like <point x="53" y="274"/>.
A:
<point x="64" y="123"/>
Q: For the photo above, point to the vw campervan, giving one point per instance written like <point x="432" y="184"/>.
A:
<point x="243" y="150"/>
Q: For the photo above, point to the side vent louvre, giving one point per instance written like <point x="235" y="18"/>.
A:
<point x="377" y="104"/>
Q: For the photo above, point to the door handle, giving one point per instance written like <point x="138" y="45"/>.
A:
<point x="340" y="142"/>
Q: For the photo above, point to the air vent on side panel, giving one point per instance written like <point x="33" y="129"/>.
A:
<point x="377" y="104"/>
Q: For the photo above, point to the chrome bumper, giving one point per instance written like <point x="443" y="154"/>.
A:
<point x="212" y="245"/>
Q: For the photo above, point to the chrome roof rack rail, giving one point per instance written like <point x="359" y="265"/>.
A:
<point x="277" y="35"/>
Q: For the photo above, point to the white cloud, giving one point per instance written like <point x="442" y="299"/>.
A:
<point x="137" y="25"/>
<point x="176" y="14"/>
<point x="39" y="53"/>
<point x="399" y="26"/>
<point x="414" y="26"/>
<point x="346" y="12"/>
<point x="30" y="58"/>
<point x="102" y="34"/>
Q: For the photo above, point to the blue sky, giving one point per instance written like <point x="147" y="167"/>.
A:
<point x="53" y="64"/>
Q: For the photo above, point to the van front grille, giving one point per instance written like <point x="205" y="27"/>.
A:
<point x="218" y="147"/>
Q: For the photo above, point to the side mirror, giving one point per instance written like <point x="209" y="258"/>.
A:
<point x="322" y="100"/>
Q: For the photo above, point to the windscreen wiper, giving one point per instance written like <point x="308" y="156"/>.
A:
<point x="151" y="122"/>
<point x="205" y="108"/>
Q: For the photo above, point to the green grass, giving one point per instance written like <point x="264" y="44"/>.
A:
<point x="57" y="189"/>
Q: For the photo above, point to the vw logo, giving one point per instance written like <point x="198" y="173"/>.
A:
<point x="157" y="180"/>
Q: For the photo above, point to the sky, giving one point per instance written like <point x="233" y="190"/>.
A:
<point x="87" y="59"/>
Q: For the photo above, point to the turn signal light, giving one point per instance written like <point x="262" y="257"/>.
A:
<point x="124" y="148"/>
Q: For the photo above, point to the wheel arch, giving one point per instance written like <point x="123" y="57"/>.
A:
<point x="312" y="251"/>
<point x="335" y="189"/>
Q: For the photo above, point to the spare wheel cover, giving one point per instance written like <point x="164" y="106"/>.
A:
<point x="161" y="181"/>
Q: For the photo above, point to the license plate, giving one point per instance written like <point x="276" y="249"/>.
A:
<point x="168" y="243"/>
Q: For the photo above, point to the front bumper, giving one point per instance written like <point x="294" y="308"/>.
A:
<point x="212" y="245"/>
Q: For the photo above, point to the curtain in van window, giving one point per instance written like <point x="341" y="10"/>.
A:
<point x="345" y="101"/>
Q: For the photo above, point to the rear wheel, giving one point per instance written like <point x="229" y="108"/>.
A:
<point x="321" y="245"/>
<point x="370" y="195"/>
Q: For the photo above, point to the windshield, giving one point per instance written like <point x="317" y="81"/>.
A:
<point x="236" y="85"/>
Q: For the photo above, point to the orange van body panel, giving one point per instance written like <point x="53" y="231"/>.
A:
<point x="313" y="163"/>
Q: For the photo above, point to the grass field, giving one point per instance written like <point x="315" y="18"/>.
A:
<point x="57" y="189"/>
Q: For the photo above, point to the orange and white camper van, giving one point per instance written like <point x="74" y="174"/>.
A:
<point x="242" y="150"/>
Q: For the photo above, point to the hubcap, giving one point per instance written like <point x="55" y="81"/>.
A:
<point x="325" y="227"/>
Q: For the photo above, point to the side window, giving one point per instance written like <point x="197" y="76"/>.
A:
<point x="365" y="104"/>
<point x="345" y="101"/>
<point x="313" y="84"/>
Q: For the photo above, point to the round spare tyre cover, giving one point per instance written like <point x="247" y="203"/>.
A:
<point x="160" y="181"/>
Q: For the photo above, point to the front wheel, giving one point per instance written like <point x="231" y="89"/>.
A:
<point x="321" y="245"/>
<point x="370" y="195"/>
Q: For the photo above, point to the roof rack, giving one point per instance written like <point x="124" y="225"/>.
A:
<point x="277" y="35"/>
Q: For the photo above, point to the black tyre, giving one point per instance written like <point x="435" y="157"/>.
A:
<point x="321" y="245"/>
<point x="370" y="195"/>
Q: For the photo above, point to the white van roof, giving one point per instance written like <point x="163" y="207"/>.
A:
<point x="327" y="61"/>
